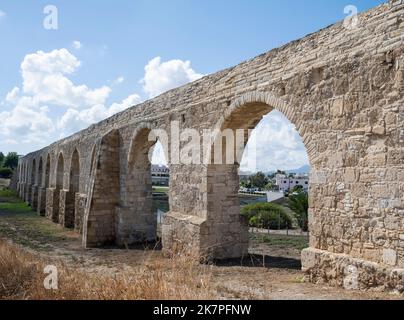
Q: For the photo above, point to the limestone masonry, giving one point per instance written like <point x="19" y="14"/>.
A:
<point x="341" y="88"/>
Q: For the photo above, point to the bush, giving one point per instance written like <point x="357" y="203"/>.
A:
<point x="266" y="215"/>
<point x="5" y="173"/>
<point x="299" y="203"/>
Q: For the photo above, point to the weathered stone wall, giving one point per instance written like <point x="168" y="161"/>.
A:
<point x="343" y="90"/>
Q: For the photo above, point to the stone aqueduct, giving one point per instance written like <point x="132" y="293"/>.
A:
<point x="343" y="90"/>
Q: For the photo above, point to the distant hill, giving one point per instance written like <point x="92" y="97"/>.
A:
<point x="302" y="170"/>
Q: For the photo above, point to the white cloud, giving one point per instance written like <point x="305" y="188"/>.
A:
<point x="77" y="45"/>
<point x="45" y="87"/>
<point x="160" y="77"/>
<point x="74" y="120"/>
<point x="31" y="121"/>
<point x="2" y="14"/>
<point x="44" y="78"/>
<point x="26" y="124"/>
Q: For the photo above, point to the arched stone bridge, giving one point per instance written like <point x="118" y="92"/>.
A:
<point x="343" y="90"/>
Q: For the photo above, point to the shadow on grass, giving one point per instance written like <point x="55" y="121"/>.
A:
<point x="259" y="261"/>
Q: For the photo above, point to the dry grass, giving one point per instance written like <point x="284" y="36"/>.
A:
<point x="22" y="276"/>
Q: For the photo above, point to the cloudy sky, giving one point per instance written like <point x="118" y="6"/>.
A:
<point x="105" y="56"/>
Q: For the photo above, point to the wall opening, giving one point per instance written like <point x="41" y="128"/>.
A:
<point x="33" y="171"/>
<point x="47" y="171"/>
<point x="145" y="201"/>
<point x="59" y="186"/>
<point x="160" y="175"/>
<point x="40" y="173"/>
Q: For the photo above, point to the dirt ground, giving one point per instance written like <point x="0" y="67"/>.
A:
<point x="272" y="271"/>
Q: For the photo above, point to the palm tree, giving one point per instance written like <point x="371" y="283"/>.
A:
<point x="299" y="203"/>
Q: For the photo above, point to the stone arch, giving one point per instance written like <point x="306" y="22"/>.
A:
<point x="34" y="185"/>
<point x="40" y="172"/>
<point x="99" y="225"/>
<point x="33" y="171"/>
<point x="47" y="171"/>
<point x="72" y="194"/>
<point x="60" y="171"/>
<point x="26" y="172"/>
<point x="60" y="167"/>
<point x="251" y="107"/>
<point x="222" y="232"/>
<point x="41" y="189"/>
<point x="31" y="167"/>
<point x="223" y="206"/>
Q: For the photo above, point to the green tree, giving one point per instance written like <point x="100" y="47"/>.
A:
<point x="11" y="160"/>
<point x="259" y="180"/>
<point x="299" y="203"/>
<point x="266" y="215"/>
<point x="298" y="188"/>
<point x="245" y="184"/>
<point x="1" y="159"/>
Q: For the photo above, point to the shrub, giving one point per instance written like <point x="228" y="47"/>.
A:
<point x="5" y="173"/>
<point x="299" y="203"/>
<point x="266" y="215"/>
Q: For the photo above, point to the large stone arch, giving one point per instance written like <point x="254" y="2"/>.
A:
<point x="44" y="200"/>
<point x="41" y="190"/>
<point x="217" y="231"/>
<point x="346" y="99"/>
<point x="57" y="209"/>
<point x="34" y="185"/>
<point x="99" y="225"/>
<point x="136" y="202"/>
<point x="252" y="106"/>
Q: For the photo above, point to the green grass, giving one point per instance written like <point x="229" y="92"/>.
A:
<point x="160" y="203"/>
<point x="297" y="242"/>
<point x="160" y="198"/>
<point x="160" y="189"/>
<point x="19" y="223"/>
<point x="8" y="193"/>
<point x="9" y="196"/>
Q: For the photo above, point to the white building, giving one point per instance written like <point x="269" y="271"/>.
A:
<point x="286" y="183"/>
<point x="160" y="175"/>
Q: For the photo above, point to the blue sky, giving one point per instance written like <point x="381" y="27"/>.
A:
<point x="106" y="45"/>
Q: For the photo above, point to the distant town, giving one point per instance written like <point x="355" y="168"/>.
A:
<point x="275" y="185"/>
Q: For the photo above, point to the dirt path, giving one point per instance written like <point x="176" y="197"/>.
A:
<point x="278" y="278"/>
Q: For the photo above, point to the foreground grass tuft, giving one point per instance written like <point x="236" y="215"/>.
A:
<point x="296" y="242"/>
